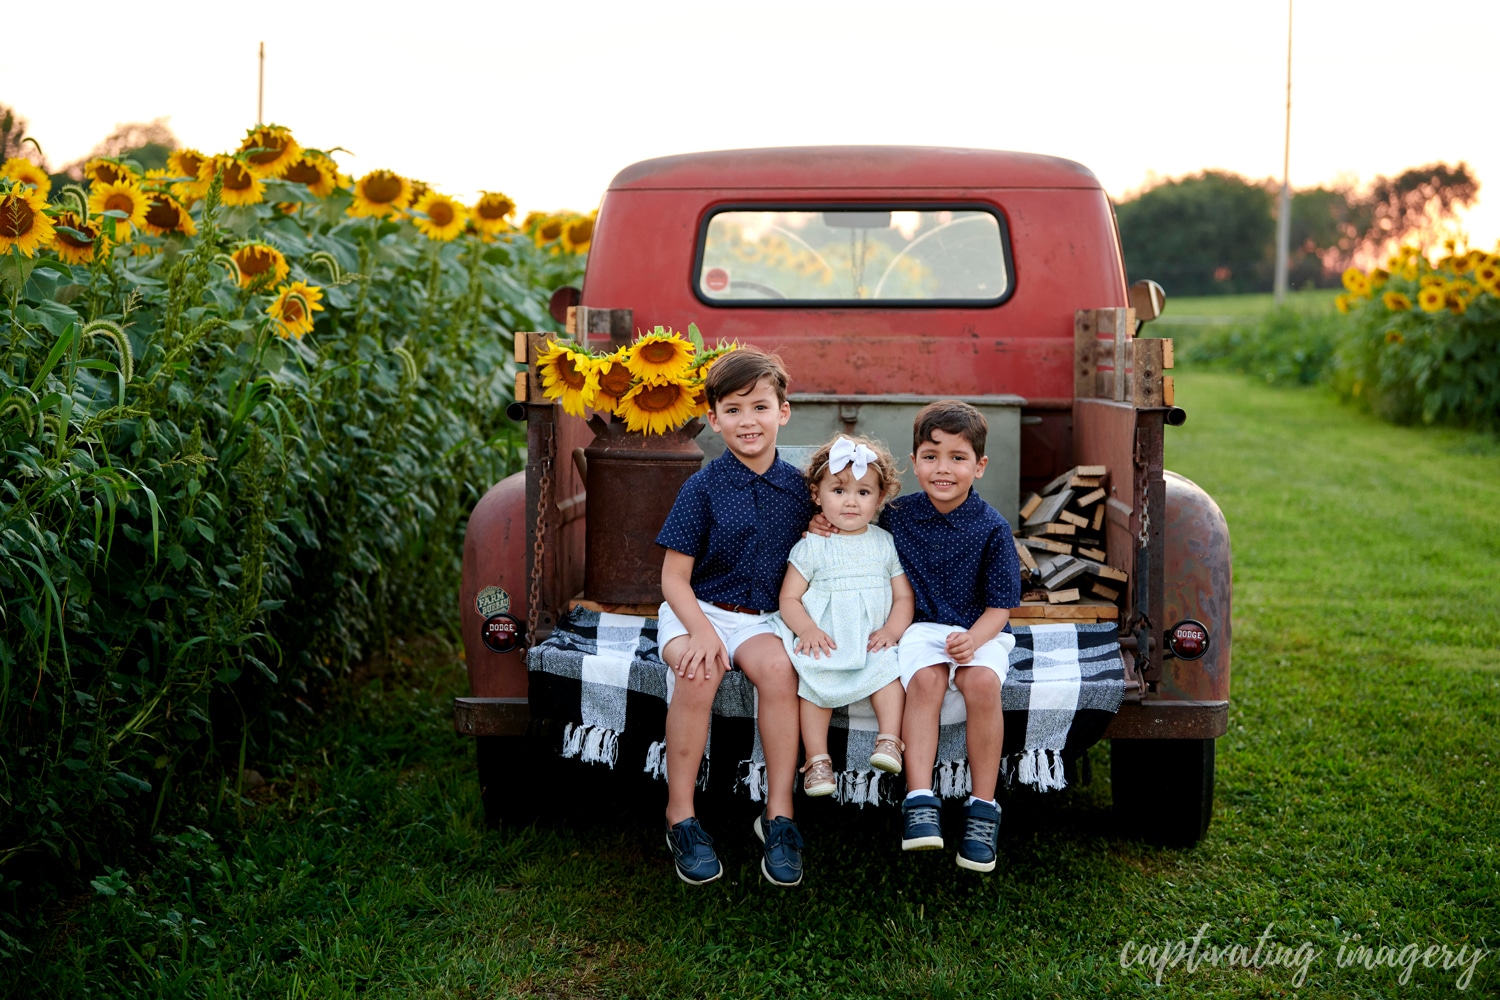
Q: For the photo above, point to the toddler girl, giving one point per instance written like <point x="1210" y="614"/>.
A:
<point x="844" y="604"/>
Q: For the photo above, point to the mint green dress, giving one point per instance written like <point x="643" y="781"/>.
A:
<point x="848" y="596"/>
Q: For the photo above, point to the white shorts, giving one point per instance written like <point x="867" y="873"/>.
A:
<point x="733" y="627"/>
<point x="924" y="644"/>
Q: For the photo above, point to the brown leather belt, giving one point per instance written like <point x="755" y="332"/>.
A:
<point x="738" y="609"/>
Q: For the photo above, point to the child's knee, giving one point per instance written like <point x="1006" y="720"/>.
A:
<point x="927" y="684"/>
<point x="978" y="684"/>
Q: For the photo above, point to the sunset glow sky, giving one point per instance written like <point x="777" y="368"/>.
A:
<point x="547" y="101"/>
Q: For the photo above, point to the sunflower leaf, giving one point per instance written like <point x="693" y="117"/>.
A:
<point x="115" y="213"/>
<point x="15" y="268"/>
<point x="695" y="338"/>
<point x="81" y="237"/>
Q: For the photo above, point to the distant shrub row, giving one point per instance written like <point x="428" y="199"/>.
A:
<point x="1416" y="342"/>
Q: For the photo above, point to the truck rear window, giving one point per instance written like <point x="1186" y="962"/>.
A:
<point x="853" y="255"/>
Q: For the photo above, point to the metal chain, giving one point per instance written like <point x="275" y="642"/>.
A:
<point x="543" y="503"/>
<point x="1145" y="535"/>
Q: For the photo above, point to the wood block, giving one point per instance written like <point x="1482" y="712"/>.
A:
<point x="1089" y="499"/>
<point x="1146" y="372"/>
<point x="1104" y="571"/>
<point x="521" y="382"/>
<point x="1066" y="571"/>
<point x="1098" y="517"/>
<point x="1087" y="609"/>
<point x="1049" y="508"/>
<point x="1029" y="507"/>
<point x="1063" y="596"/>
<point x="1091" y="470"/>
<point x="1108" y="593"/>
<point x="571" y="326"/>
<point x="1085" y="362"/>
<point x="1097" y="555"/>
<point x="1050" y="528"/>
<point x="1047" y="545"/>
<point x="1057" y="483"/>
<point x="1071" y="518"/>
<point x="520" y="342"/>
<point x="1086" y="482"/>
<point x="1024" y="554"/>
<point x="1166" y="353"/>
<point x="1168" y="391"/>
<point x="1032" y="597"/>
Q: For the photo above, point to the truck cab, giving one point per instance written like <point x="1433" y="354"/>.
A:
<point x="886" y="277"/>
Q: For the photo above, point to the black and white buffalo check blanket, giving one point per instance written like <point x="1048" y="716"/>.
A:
<point x="600" y="675"/>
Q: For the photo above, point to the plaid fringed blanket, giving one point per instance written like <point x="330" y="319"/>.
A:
<point x="598" y="672"/>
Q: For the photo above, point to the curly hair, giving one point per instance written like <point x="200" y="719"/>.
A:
<point x="884" y="464"/>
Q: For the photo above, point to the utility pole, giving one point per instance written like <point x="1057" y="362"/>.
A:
<point x="1284" y="211"/>
<point x="260" y="89"/>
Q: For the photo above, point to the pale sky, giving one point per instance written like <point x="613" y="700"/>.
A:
<point x="546" y="102"/>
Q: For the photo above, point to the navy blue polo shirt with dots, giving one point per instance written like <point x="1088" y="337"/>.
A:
<point x="739" y="528"/>
<point x="958" y="563"/>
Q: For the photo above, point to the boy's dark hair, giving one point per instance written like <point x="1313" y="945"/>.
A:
<point x="953" y="417"/>
<point x="741" y="369"/>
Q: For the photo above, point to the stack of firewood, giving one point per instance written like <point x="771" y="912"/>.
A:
<point x="1061" y="541"/>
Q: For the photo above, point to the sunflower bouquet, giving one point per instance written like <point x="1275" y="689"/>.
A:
<point x="654" y="385"/>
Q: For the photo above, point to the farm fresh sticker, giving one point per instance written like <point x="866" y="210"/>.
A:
<point x="491" y="601"/>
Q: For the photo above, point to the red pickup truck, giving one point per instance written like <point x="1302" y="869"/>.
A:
<point x="886" y="277"/>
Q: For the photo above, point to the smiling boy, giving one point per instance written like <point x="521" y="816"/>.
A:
<point x="727" y="539"/>
<point x="961" y="562"/>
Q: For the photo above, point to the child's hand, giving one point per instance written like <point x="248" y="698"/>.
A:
<point x="815" y="642"/>
<point x="960" y="646"/>
<point x="820" y="525"/>
<point x="884" y="638"/>
<point x="701" y="656"/>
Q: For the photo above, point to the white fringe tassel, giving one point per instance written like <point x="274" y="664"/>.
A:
<point x="953" y="779"/>
<point x="656" y="760"/>
<point x="1039" y="769"/>
<point x="591" y="744"/>
<point x="755" y="780"/>
<point x="859" y="787"/>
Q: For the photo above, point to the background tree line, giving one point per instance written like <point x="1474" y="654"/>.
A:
<point x="1215" y="232"/>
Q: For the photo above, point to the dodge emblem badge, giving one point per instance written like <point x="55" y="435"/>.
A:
<point x="1188" y="639"/>
<point x="501" y="633"/>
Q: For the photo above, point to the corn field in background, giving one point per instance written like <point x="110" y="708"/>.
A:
<point x="246" y="406"/>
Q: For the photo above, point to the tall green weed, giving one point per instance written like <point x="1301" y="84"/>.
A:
<point x="203" y="521"/>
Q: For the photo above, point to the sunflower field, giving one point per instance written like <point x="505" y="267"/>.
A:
<point x="247" y="404"/>
<point x="1422" y="337"/>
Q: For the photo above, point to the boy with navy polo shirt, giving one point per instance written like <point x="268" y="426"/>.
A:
<point x="961" y="561"/>
<point x="727" y="539"/>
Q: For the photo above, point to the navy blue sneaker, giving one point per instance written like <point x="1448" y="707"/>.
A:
<point x="921" y="829"/>
<point x="693" y="851"/>
<point x="782" y="862"/>
<point x="981" y="834"/>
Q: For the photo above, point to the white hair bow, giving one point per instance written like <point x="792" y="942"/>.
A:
<point x="845" y="452"/>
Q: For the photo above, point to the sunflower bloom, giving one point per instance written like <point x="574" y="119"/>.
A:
<point x="260" y="264"/>
<point x="380" y="193"/>
<point x="166" y="215"/>
<point x="1487" y="273"/>
<point x="107" y="170"/>
<point x="241" y="186"/>
<point x="577" y="234"/>
<point x="655" y="407"/>
<point x="189" y="163"/>
<point x="1396" y="302"/>
<point x="660" y="354"/>
<point x="23" y="223"/>
<point x="490" y="212"/>
<point x="268" y="150"/>
<point x="124" y="196"/>
<point x="569" y="375"/>
<point x="1343" y="303"/>
<point x="445" y="217"/>
<point x="1433" y="298"/>
<point x="23" y="171"/>
<point x="320" y="175"/>
<point x="294" y="307"/>
<point x="1356" y="282"/>
<point x="548" y="229"/>
<point x="72" y="249"/>
<point x="1394" y="337"/>
<point x="615" y="381"/>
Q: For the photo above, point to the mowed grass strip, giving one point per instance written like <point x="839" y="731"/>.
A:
<point x="1356" y="797"/>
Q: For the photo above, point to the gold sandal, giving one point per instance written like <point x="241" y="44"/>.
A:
<point x="819" y="780"/>
<point x="887" y="755"/>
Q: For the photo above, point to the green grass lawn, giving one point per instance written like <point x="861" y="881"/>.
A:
<point x="1213" y="307"/>
<point x="1357" y="804"/>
